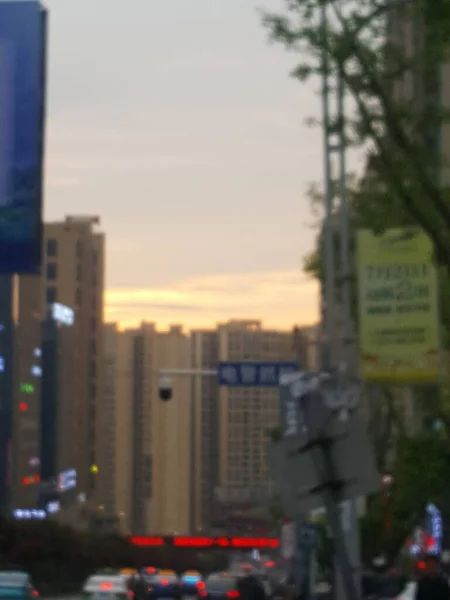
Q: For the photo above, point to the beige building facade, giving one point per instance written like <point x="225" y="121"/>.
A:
<point x="146" y="450"/>
<point x="169" y="464"/>
<point x="73" y="275"/>
<point x="231" y="424"/>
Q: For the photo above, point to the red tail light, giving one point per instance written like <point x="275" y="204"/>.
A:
<point x="270" y="564"/>
<point x="35" y="593"/>
<point x="164" y="582"/>
<point x="233" y="594"/>
<point x="202" y="594"/>
<point x="106" y="586"/>
<point x="131" y="594"/>
<point x="200" y="585"/>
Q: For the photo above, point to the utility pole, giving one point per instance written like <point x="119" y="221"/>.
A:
<point x="337" y="222"/>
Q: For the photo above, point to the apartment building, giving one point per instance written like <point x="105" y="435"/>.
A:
<point x="20" y="379"/>
<point x="26" y="382"/>
<point x="60" y="391"/>
<point x="205" y="468"/>
<point x="116" y="457"/>
<point x="231" y="468"/>
<point x="73" y="275"/>
<point x="146" y="450"/>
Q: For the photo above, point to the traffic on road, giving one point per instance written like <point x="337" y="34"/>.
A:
<point x="245" y="579"/>
<point x="154" y="583"/>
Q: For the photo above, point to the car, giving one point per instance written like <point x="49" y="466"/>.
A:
<point x="104" y="587"/>
<point x="222" y="586"/>
<point x="149" y="571"/>
<point x="164" y="584"/>
<point x="132" y="577"/>
<point x="192" y="585"/>
<point x="16" y="584"/>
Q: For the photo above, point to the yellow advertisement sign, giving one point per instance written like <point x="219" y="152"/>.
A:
<point x="398" y="307"/>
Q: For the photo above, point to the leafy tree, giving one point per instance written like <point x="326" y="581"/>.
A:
<point x="372" y="529"/>
<point x="363" y="43"/>
<point x="420" y="476"/>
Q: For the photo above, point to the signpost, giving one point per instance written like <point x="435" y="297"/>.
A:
<point x="325" y="456"/>
<point x="253" y="374"/>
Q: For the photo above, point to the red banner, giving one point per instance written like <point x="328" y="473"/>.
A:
<point x="204" y="542"/>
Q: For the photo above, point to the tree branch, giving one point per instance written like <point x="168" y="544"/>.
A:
<point x="441" y="250"/>
<point x="398" y="135"/>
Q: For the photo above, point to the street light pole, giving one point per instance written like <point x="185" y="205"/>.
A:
<point x="188" y="372"/>
<point x="165" y="375"/>
<point x="328" y="285"/>
<point x="349" y="517"/>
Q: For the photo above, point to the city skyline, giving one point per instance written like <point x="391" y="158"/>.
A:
<point x="197" y="162"/>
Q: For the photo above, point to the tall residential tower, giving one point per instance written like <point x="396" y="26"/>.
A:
<point x="73" y="275"/>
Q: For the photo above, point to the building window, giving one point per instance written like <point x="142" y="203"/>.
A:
<point x="78" y="297"/>
<point x="78" y="249"/>
<point x="78" y="276"/>
<point x="51" y="295"/>
<point x="52" y="247"/>
<point x="52" y="271"/>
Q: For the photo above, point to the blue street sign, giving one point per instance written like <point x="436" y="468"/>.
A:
<point x="253" y="374"/>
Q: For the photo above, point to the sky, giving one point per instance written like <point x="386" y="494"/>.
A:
<point x="177" y="122"/>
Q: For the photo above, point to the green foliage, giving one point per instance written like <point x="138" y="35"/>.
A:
<point x="420" y="476"/>
<point x="372" y="529"/>
<point x="400" y="132"/>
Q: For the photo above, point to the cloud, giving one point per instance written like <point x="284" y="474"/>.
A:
<point x="56" y="182"/>
<point x="94" y="162"/>
<point x="279" y="298"/>
<point x="155" y="305"/>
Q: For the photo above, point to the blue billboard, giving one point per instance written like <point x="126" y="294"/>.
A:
<point x="22" y="115"/>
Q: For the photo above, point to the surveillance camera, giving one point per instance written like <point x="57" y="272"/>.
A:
<point x="165" y="388"/>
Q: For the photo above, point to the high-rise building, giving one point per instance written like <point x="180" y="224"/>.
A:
<point x="26" y="381"/>
<point x="146" y="450"/>
<point x="59" y="398"/>
<point x="172" y="435"/>
<point x="73" y="275"/>
<point x="20" y="378"/>
<point x="116" y="456"/>
<point x="231" y="425"/>
<point x="205" y="479"/>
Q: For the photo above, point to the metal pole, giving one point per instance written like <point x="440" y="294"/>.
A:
<point x="349" y="513"/>
<point x="188" y="372"/>
<point x="347" y="550"/>
<point x="328" y="285"/>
